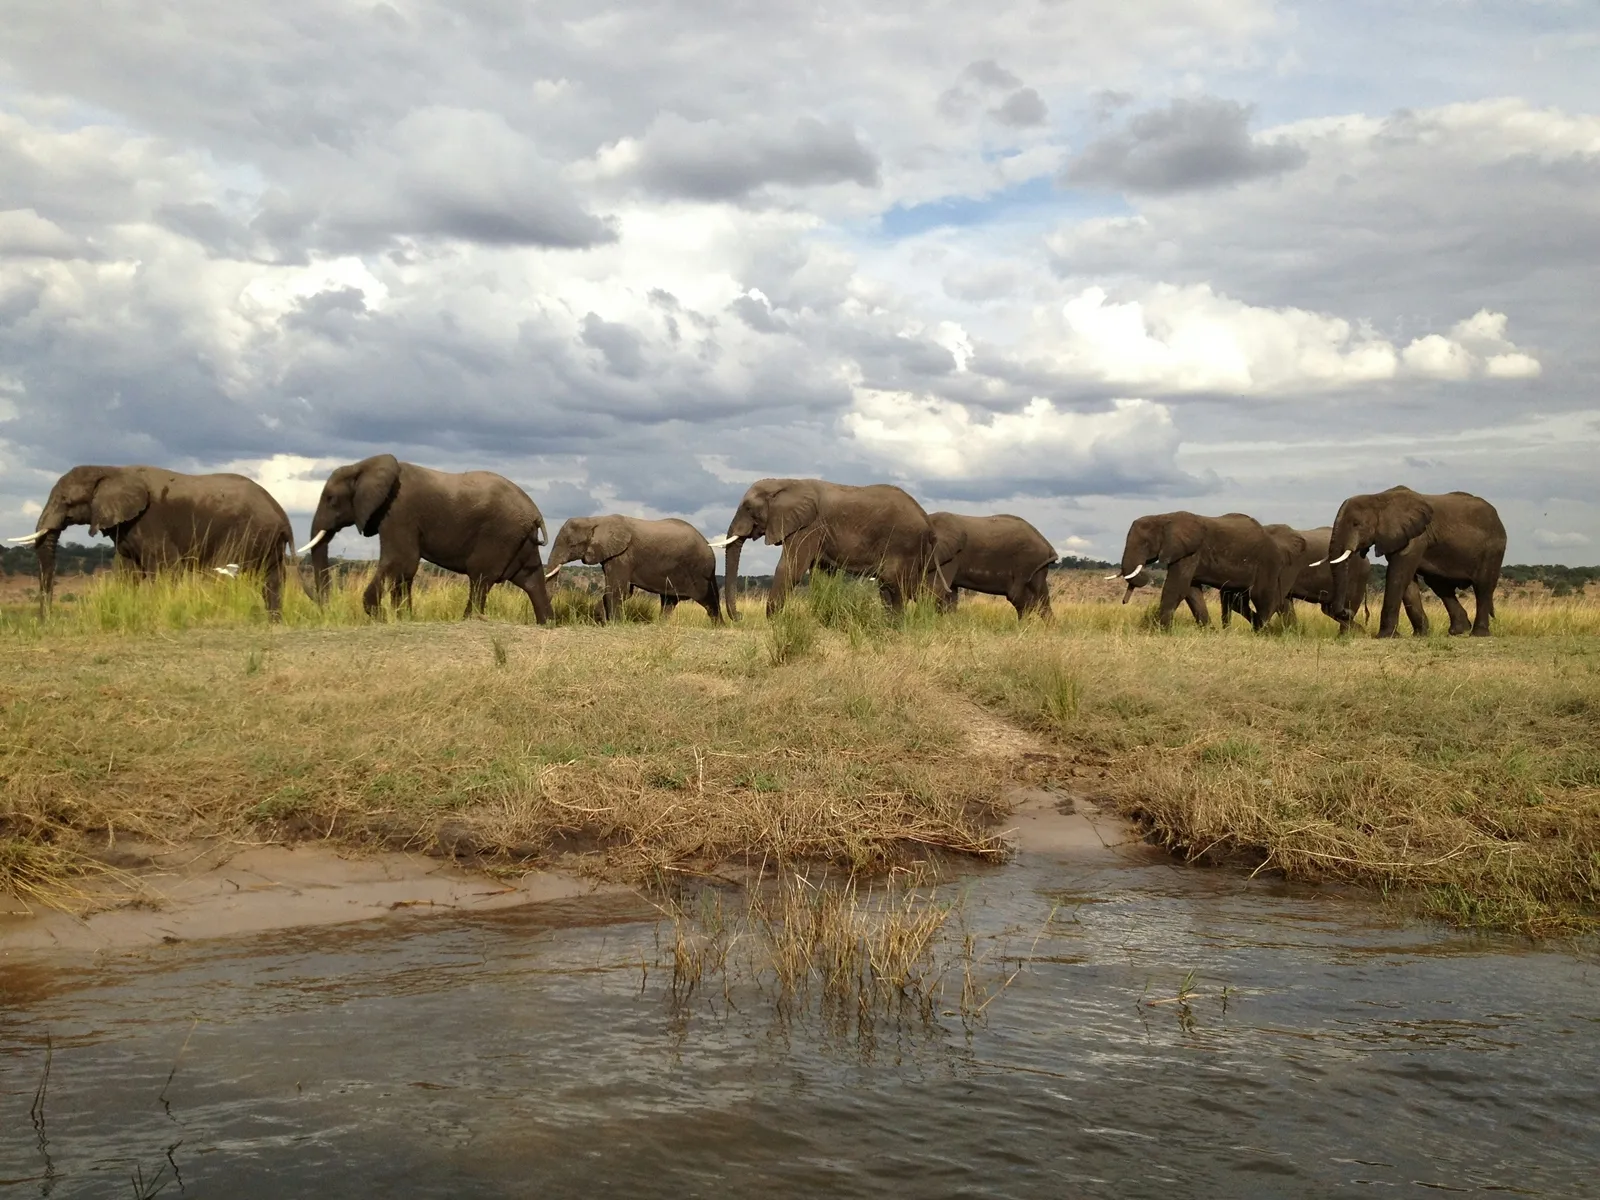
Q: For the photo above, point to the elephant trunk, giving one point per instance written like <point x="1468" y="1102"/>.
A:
<point x="45" y="548"/>
<point x="730" y="589"/>
<point x="320" y="574"/>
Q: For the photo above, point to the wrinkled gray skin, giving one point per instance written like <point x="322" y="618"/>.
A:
<point x="1000" y="555"/>
<point x="1450" y="541"/>
<point x="1313" y="581"/>
<point x="669" y="558"/>
<point x="475" y="522"/>
<point x="160" y="519"/>
<point x="874" y="530"/>
<point x="1229" y="552"/>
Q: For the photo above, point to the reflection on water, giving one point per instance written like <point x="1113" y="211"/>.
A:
<point x="1174" y="1033"/>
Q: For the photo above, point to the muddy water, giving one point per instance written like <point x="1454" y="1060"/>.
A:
<point x="525" y="1053"/>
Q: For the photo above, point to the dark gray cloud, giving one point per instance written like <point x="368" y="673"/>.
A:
<point x="713" y="160"/>
<point x="1189" y="144"/>
<point x="1022" y="108"/>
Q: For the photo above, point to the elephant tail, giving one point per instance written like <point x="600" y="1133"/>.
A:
<point x="541" y="532"/>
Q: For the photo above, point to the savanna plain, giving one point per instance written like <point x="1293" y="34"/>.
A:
<point x="1458" y="777"/>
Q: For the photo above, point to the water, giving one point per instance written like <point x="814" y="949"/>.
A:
<point x="524" y="1053"/>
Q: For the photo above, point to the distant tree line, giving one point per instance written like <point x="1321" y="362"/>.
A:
<point x="71" y="559"/>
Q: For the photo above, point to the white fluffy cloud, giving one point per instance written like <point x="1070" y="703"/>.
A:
<point x="1041" y="448"/>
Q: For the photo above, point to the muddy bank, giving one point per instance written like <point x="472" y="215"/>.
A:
<point x="226" y="890"/>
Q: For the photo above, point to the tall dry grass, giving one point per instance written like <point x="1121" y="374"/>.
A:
<point x="1465" y="772"/>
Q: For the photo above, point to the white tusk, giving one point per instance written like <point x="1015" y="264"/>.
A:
<point x="1113" y="576"/>
<point x="1133" y="573"/>
<point x="554" y="571"/>
<point x="312" y="543"/>
<point x="1340" y="559"/>
<point x="1318" y="563"/>
<point x="26" y="538"/>
<point x="719" y="543"/>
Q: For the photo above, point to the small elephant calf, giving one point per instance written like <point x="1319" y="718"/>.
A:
<point x="670" y="558"/>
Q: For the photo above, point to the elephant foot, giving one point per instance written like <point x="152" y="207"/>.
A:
<point x="1481" y="633"/>
<point x="1389" y="633"/>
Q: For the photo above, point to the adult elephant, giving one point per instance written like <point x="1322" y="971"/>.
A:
<point x="474" y="522"/>
<point x="159" y="519"/>
<point x="1451" y="541"/>
<point x="669" y="558"/>
<point x="873" y="530"/>
<point x="1314" y="582"/>
<point x="1000" y="555"/>
<point x="1232" y="551"/>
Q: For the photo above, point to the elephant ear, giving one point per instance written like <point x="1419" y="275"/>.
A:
<point x="377" y="481"/>
<point x="119" y="497"/>
<point x="610" y="538"/>
<point x="949" y="539"/>
<point x="789" y="511"/>
<point x="1403" y="516"/>
<point x="1182" y="536"/>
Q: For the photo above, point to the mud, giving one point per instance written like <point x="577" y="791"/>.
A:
<point x="225" y="890"/>
<point x="1044" y="821"/>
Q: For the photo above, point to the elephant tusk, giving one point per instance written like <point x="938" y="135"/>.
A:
<point x="554" y="571"/>
<point x="313" y="542"/>
<point x="1113" y="576"/>
<point x="719" y="543"/>
<point x="1318" y="563"/>
<point x="1133" y="573"/>
<point x="26" y="538"/>
<point x="1341" y="558"/>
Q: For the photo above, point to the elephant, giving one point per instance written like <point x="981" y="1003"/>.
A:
<point x="1451" y="541"/>
<point x="1000" y="555"/>
<point x="874" y="530"/>
<point x="669" y="558"/>
<point x="1313" y="581"/>
<point x="1232" y="551"/>
<point x="160" y="519"/>
<point x="474" y="522"/>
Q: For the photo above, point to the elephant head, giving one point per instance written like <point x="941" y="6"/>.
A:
<point x="100" y="497"/>
<point x="592" y="539"/>
<point x="358" y="495"/>
<point x="1381" y="521"/>
<point x="1163" y="538"/>
<point x="774" y="509"/>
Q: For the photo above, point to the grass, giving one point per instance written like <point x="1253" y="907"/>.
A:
<point x="1462" y="775"/>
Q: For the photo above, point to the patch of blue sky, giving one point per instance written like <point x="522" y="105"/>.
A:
<point x="1035" y="201"/>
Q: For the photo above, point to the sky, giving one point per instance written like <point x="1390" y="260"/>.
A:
<point x="1073" y="259"/>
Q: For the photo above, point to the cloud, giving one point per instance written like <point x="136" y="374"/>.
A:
<point x="713" y="160"/>
<point x="25" y="234"/>
<point x="1174" y="340"/>
<point x="1190" y="144"/>
<point x="1021" y="109"/>
<point x="1552" y="540"/>
<point x="952" y="450"/>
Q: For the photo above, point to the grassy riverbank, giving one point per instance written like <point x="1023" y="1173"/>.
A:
<point x="1463" y="773"/>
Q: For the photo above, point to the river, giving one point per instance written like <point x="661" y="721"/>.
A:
<point x="1321" y="1048"/>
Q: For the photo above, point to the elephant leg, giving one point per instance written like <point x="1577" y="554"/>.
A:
<point x="1459" y="622"/>
<point x="1411" y="599"/>
<point x="617" y="589"/>
<point x="668" y="605"/>
<point x="798" y="556"/>
<point x="1483" y="597"/>
<point x="1178" y="588"/>
<point x="1195" y="601"/>
<point x="711" y="600"/>
<point x="272" y="589"/>
<point x="948" y="600"/>
<point x="1401" y="575"/>
<point x="477" y="596"/>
